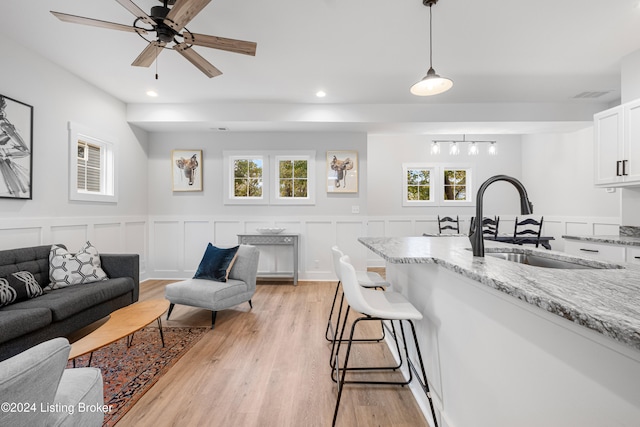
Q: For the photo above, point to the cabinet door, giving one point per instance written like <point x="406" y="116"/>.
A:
<point x="632" y="142"/>
<point x="600" y="251"/>
<point x="608" y="146"/>
<point x="633" y="255"/>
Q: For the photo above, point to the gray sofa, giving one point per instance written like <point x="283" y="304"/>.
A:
<point x="60" y="312"/>
<point x="37" y="390"/>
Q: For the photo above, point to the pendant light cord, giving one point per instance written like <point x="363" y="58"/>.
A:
<point x="430" y="37"/>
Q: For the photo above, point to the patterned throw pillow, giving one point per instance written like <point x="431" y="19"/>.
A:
<point x="66" y="269"/>
<point x="19" y="286"/>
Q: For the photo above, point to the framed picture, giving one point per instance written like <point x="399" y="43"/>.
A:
<point x="186" y="168"/>
<point x="342" y="171"/>
<point x="16" y="144"/>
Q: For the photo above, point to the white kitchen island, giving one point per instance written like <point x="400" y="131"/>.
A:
<point x="513" y="345"/>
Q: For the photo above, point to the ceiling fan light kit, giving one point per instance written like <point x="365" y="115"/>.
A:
<point x="169" y="26"/>
<point x="432" y="83"/>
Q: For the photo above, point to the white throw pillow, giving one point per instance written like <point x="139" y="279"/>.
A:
<point x="66" y="269"/>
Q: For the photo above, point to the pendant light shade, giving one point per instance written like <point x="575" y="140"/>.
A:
<point x="432" y="83"/>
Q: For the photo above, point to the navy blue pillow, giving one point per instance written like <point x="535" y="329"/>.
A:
<point x="216" y="263"/>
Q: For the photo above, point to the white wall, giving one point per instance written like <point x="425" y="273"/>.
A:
<point x="558" y="169"/>
<point x="163" y="201"/>
<point x="387" y="153"/>
<point x="630" y="77"/>
<point x="182" y="223"/>
<point x="59" y="97"/>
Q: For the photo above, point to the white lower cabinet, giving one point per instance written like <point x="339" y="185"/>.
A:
<point x="601" y="251"/>
<point x="633" y="255"/>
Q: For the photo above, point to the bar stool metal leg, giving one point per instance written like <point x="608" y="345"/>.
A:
<point x="373" y="308"/>
<point x="334" y="353"/>
<point x="342" y="381"/>
<point x="331" y="333"/>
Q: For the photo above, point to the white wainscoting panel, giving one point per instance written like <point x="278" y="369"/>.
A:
<point x="72" y="236"/>
<point x="197" y="235"/>
<point x="107" y="234"/>
<point x="135" y="242"/>
<point x="317" y="236"/>
<point x="578" y="228"/>
<point x="166" y="248"/>
<point x="226" y="232"/>
<point x="346" y="238"/>
<point x="401" y="227"/>
<point x="109" y="237"/>
<point x="603" y="229"/>
<point x="20" y="237"/>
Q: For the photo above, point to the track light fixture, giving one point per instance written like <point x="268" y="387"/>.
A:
<point x="473" y="148"/>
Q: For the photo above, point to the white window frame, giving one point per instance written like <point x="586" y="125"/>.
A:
<point x="108" y="172"/>
<point x="228" y="158"/>
<point x="433" y="170"/>
<point x="469" y="184"/>
<point x="310" y="157"/>
<point x="437" y="184"/>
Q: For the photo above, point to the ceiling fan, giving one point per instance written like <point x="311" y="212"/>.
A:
<point x="168" y="24"/>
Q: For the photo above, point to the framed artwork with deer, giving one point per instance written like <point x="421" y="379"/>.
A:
<point x="342" y="171"/>
<point x="186" y="168"/>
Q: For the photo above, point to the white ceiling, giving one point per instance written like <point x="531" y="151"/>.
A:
<point x="361" y="52"/>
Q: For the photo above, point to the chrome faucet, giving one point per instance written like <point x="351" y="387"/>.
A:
<point x="475" y="231"/>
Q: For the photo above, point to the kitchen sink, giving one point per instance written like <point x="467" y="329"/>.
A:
<point x="542" y="261"/>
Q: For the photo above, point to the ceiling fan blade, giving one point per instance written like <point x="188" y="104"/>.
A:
<point x="137" y="12"/>
<point x="96" y="22"/>
<point x="197" y="60"/>
<point x="183" y="12"/>
<point x="149" y="54"/>
<point x="231" y="45"/>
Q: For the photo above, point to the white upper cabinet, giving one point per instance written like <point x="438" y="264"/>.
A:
<point x="617" y="146"/>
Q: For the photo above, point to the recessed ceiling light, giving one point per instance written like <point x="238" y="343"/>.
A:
<point x="152" y="93"/>
<point x="321" y="94"/>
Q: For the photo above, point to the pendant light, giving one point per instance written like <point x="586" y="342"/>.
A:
<point x="432" y="83"/>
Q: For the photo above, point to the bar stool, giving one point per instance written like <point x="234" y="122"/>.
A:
<point x="376" y="306"/>
<point x="367" y="279"/>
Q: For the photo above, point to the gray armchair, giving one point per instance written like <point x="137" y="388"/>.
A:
<point x="215" y="296"/>
<point x="42" y="392"/>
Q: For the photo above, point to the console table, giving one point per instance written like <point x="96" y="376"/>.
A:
<point x="258" y="239"/>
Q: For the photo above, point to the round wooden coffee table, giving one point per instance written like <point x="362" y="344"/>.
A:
<point x="122" y="323"/>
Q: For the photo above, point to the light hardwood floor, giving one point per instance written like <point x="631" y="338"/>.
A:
<point x="267" y="366"/>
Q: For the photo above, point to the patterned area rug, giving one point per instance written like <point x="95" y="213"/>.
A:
<point x="129" y="372"/>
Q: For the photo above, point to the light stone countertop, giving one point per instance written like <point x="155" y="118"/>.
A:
<point x="605" y="300"/>
<point x="610" y="239"/>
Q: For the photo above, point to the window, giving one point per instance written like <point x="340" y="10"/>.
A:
<point x="294" y="181"/>
<point x="456" y="185"/>
<point x="436" y="184"/>
<point x="418" y="183"/>
<point x="91" y="166"/>
<point x="249" y="179"/>
<point x="246" y="178"/>
<point x="292" y="175"/>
